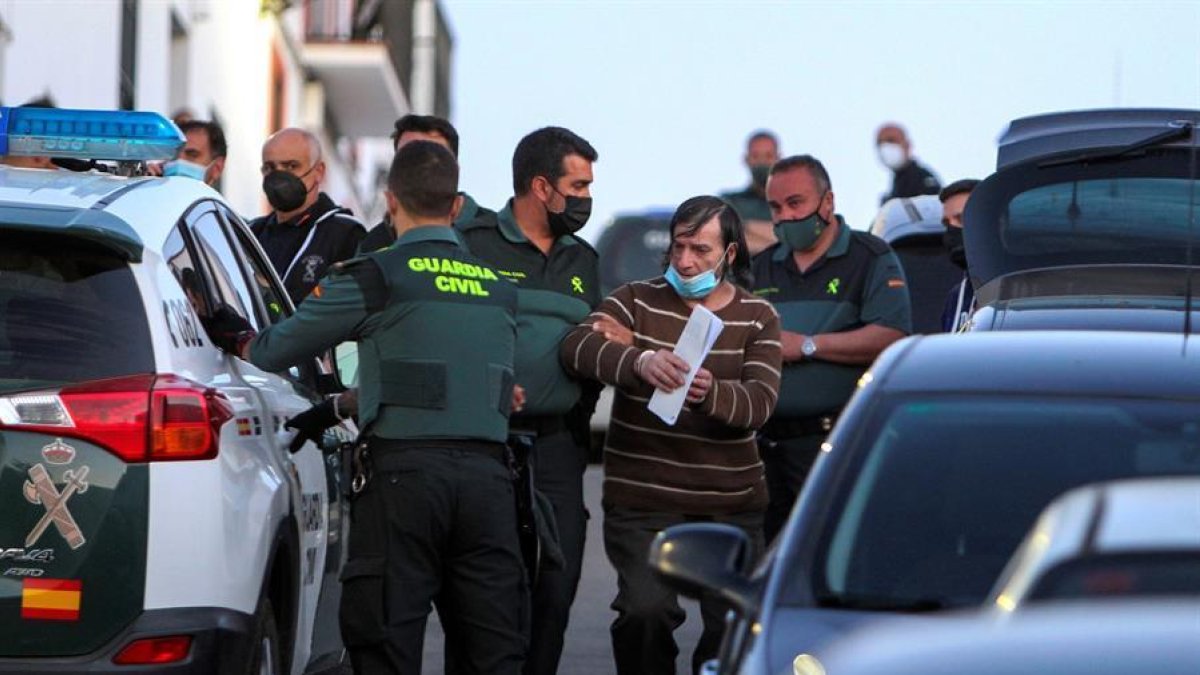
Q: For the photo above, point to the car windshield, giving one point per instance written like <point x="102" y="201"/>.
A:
<point x="69" y="312"/>
<point x="1128" y="575"/>
<point x="949" y="486"/>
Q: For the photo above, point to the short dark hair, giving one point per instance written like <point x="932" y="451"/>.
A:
<point x="427" y="124"/>
<point x="424" y="179"/>
<point x="541" y="153"/>
<point x="694" y="213"/>
<point x="812" y="164"/>
<point x="762" y="134"/>
<point x="216" y="135"/>
<point x="957" y="187"/>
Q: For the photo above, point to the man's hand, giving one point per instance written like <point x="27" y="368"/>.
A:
<point x="230" y="331"/>
<point x="792" y="342"/>
<point x="662" y="369"/>
<point x="701" y="385"/>
<point x="613" y="331"/>
<point x="154" y="168"/>
<point x="311" y="424"/>
<point x="518" y="398"/>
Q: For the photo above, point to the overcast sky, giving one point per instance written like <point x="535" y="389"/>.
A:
<point x="668" y="90"/>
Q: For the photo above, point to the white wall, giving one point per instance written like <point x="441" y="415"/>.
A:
<point x="67" y="48"/>
<point x="231" y="50"/>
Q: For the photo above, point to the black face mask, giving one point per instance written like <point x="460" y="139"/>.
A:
<point x="573" y="216"/>
<point x="285" y="191"/>
<point x="952" y="240"/>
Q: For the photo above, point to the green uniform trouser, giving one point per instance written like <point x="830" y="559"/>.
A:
<point x="435" y="524"/>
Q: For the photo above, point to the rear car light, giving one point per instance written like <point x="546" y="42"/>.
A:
<point x="149" y="651"/>
<point x="138" y="418"/>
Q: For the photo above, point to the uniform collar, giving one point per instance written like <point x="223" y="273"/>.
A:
<point x="470" y="209"/>
<point x="427" y="233"/>
<point x="511" y="231"/>
<point x="836" y="250"/>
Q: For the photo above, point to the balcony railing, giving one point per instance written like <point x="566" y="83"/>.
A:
<point x="387" y="22"/>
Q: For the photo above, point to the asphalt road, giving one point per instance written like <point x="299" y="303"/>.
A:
<point x="588" y="650"/>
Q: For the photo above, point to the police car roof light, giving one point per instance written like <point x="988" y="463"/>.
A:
<point x="119" y="135"/>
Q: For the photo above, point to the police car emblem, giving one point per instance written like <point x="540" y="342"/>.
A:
<point x="40" y="489"/>
<point x="58" y="452"/>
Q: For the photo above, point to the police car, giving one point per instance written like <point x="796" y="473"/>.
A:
<point x="154" y="517"/>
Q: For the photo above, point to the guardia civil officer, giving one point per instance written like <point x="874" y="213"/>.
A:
<point x="437" y="519"/>
<point x="305" y="232"/>
<point x="533" y="243"/>
<point x="842" y="299"/>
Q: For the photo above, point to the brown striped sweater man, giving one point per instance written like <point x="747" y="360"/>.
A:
<point x="705" y="467"/>
<point x="707" y="463"/>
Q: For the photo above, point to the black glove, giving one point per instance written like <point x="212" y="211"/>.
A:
<point x="311" y="424"/>
<point x="228" y="330"/>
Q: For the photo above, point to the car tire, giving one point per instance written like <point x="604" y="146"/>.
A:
<point x="265" y="650"/>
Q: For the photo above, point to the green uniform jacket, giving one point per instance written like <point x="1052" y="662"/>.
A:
<point x="555" y="292"/>
<point x="435" y="328"/>
<point x="750" y="205"/>
<point x="858" y="282"/>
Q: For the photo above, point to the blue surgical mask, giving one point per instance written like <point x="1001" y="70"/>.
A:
<point x="182" y="167"/>
<point x="697" y="287"/>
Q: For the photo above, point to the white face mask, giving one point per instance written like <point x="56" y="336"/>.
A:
<point x="892" y="155"/>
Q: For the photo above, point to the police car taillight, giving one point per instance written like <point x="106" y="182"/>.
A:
<point x="149" y="651"/>
<point x="138" y="418"/>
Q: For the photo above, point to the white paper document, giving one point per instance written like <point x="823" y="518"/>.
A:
<point x="693" y="346"/>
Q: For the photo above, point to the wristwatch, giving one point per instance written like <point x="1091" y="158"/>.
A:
<point x="808" y="347"/>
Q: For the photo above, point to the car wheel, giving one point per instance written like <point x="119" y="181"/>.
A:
<point x="264" y="647"/>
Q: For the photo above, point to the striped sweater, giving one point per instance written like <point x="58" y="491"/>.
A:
<point x="708" y="462"/>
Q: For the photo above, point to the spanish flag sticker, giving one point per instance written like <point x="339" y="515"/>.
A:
<point x="51" y="599"/>
<point x="895" y="283"/>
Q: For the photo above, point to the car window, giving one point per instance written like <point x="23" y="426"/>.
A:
<point x="1113" y="216"/>
<point x="1145" y="574"/>
<point x="632" y="248"/>
<point x="69" y="312"/>
<point x="228" y="285"/>
<point x="947" y="489"/>
<point x="269" y="292"/>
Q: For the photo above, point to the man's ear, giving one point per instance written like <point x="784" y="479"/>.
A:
<point x="392" y="203"/>
<point x="320" y="172"/>
<point x="541" y="188"/>
<point x="456" y="208"/>
<point x="217" y="168"/>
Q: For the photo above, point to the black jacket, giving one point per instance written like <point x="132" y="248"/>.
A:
<point x="913" y="179"/>
<point x="303" y="250"/>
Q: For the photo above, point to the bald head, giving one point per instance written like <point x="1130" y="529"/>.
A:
<point x="298" y="152"/>
<point x="294" y="141"/>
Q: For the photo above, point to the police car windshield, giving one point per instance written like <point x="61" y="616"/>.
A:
<point x="949" y="486"/>
<point x="68" y="313"/>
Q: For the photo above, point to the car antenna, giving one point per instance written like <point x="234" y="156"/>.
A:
<point x="1187" y="304"/>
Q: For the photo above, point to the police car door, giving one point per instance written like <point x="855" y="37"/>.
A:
<point x="322" y="511"/>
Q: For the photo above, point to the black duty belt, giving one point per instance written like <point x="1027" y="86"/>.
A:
<point x="382" y="449"/>
<point x="779" y="429"/>
<point x="542" y="425"/>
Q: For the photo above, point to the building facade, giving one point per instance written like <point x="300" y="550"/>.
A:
<point x="343" y="69"/>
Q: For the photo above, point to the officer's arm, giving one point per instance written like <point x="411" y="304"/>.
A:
<point x="336" y="311"/>
<point x="886" y="311"/>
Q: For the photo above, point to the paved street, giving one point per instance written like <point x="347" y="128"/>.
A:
<point x="588" y="650"/>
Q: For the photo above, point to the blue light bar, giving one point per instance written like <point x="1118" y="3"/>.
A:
<point x="88" y="134"/>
